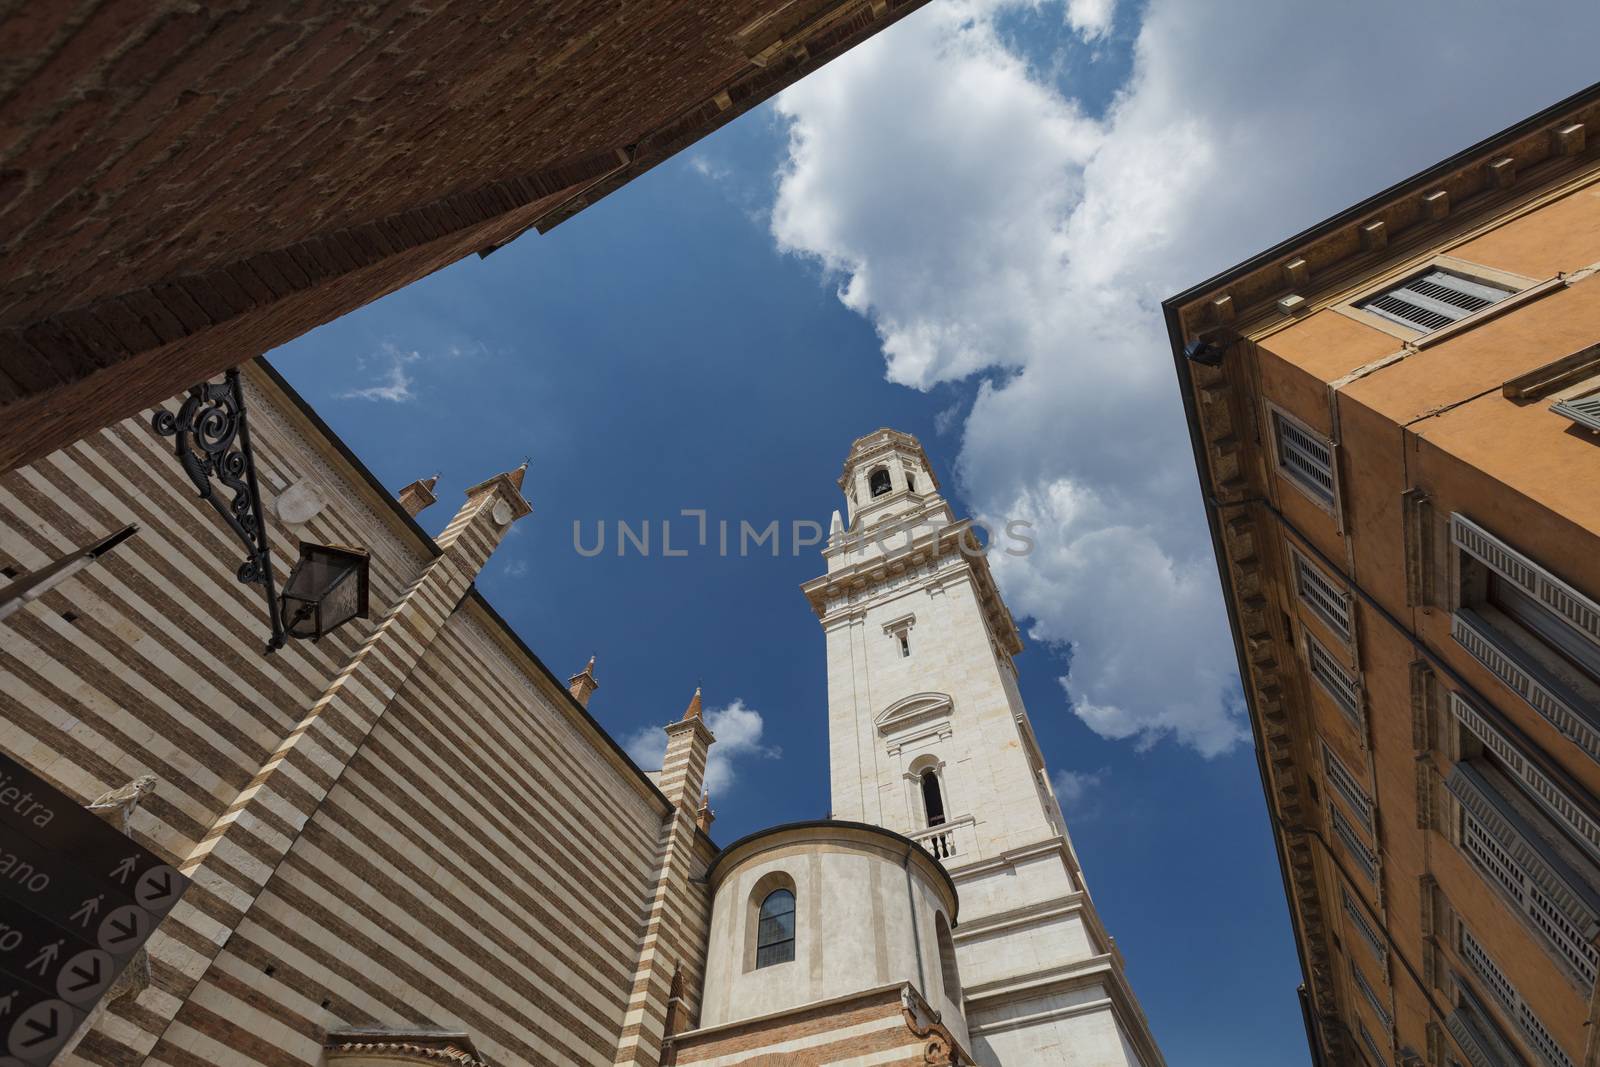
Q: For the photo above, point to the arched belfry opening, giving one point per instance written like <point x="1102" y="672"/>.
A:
<point x="878" y="482"/>
<point x="932" y="798"/>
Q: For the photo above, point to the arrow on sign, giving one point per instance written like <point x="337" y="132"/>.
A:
<point x="121" y="871"/>
<point x="82" y="974"/>
<point x="86" y="911"/>
<point x="159" y="888"/>
<point x="122" y="930"/>
<point x="36" y="1031"/>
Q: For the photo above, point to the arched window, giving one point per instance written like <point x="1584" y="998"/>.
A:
<point x="878" y="481"/>
<point x="775" y="931"/>
<point x="932" y="800"/>
<point x="947" y="960"/>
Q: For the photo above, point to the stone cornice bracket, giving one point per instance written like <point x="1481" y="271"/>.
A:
<point x="940" y="1046"/>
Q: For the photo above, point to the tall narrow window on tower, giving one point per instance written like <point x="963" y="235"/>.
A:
<point x="878" y="482"/>
<point x="932" y="799"/>
<point x="905" y="643"/>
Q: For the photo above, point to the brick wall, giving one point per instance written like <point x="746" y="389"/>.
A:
<point x="184" y="186"/>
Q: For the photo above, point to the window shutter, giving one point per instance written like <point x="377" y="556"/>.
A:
<point x="1358" y="919"/>
<point x="1434" y="300"/>
<point x="1359" y="853"/>
<point x="1326" y="600"/>
<point x="1336" y="681"/>
<point x="1477" y="1035"/>
<point x="1540" y="785"/>
<point x="1544" y="695"/>
<point x="1341" y="779"/>
<point x="1582" y="613"/>
<point x="1514" y="857"/>
<point x="1518" y="1010"/>
<point x="1305" y="457"/>
<point x="1585" y="411"/>
<point x="1373" y="1000"/>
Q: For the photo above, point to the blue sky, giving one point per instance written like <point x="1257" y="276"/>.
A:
<point x="962" y="229"/>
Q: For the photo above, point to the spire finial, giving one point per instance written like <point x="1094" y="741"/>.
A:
<point x="583" y="684"/>
<point x="693" y="710"/>
<point x="516" y="475"/>
<point x="418" y="495"/>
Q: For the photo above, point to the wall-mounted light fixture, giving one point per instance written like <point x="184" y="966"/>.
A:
<point x="211" y="438"/>
<point x="326" y="589"/>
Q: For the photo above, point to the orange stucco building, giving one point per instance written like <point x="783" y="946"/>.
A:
<point x="1396" y="419"/>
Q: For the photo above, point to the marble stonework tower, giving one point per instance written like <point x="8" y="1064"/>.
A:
<point x="928" y="737"/>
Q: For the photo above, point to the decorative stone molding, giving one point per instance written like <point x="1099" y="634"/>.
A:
<point x="1489" y="184"/>
<point x="386" y="1048"/>
<point x="941" y="1048"/>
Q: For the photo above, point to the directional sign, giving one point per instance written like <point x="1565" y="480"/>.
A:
<point x="77" y="900"/>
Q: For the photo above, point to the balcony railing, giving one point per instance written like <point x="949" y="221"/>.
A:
<point x="947" y="841"/>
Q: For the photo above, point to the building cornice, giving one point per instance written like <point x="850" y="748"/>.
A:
<point x="952" y="547"/>
<point x="1485" y="180"/>
<point x="1103" y="971"/>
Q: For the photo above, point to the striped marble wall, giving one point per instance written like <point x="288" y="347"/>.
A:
<point x="407" y="824"/>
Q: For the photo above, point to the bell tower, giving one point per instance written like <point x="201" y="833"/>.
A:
<point x="928" y="736"/>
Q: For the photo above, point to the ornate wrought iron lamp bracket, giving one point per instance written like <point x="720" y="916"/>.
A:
<point x="212" y="442"/>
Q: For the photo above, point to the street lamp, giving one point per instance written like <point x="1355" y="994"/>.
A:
<point x="326" y="589"/>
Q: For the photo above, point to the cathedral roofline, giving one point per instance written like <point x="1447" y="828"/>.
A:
<point x="322" y="438"/>
<point x="744" y="846"/>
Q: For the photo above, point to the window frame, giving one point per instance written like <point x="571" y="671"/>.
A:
<point x="1342" y="780"/>
<point x="1364" y="856"/>
<point x="1298" y="559"/>
<point x="763" y="917"/>
<point x="1334" y="505"/>
<point x="1364" y="929"/>
<point x="1523" y="661"/>
<point x="1495" y="828"/>
<point x="1504" y="994"/>
<point x="1516" y="285"/>
<point x="763" y="888"/>
<point x="1356" y="712"/>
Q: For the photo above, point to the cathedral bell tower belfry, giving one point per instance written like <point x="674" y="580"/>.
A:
<point x="928" y="736"/>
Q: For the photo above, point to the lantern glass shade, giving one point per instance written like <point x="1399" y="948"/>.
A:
<point x="326" y="589"/>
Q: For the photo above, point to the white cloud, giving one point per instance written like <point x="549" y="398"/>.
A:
<point x="947" y="419"/>
<point x="1072" y="786"/>
<point x="738" y="731"/>
<point x="986" y="224"/>
<point x="394" y="381"/>
<point x="517" y="568"/>
<point x="1091" y="19"/>
<point x="707" y="169"/>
